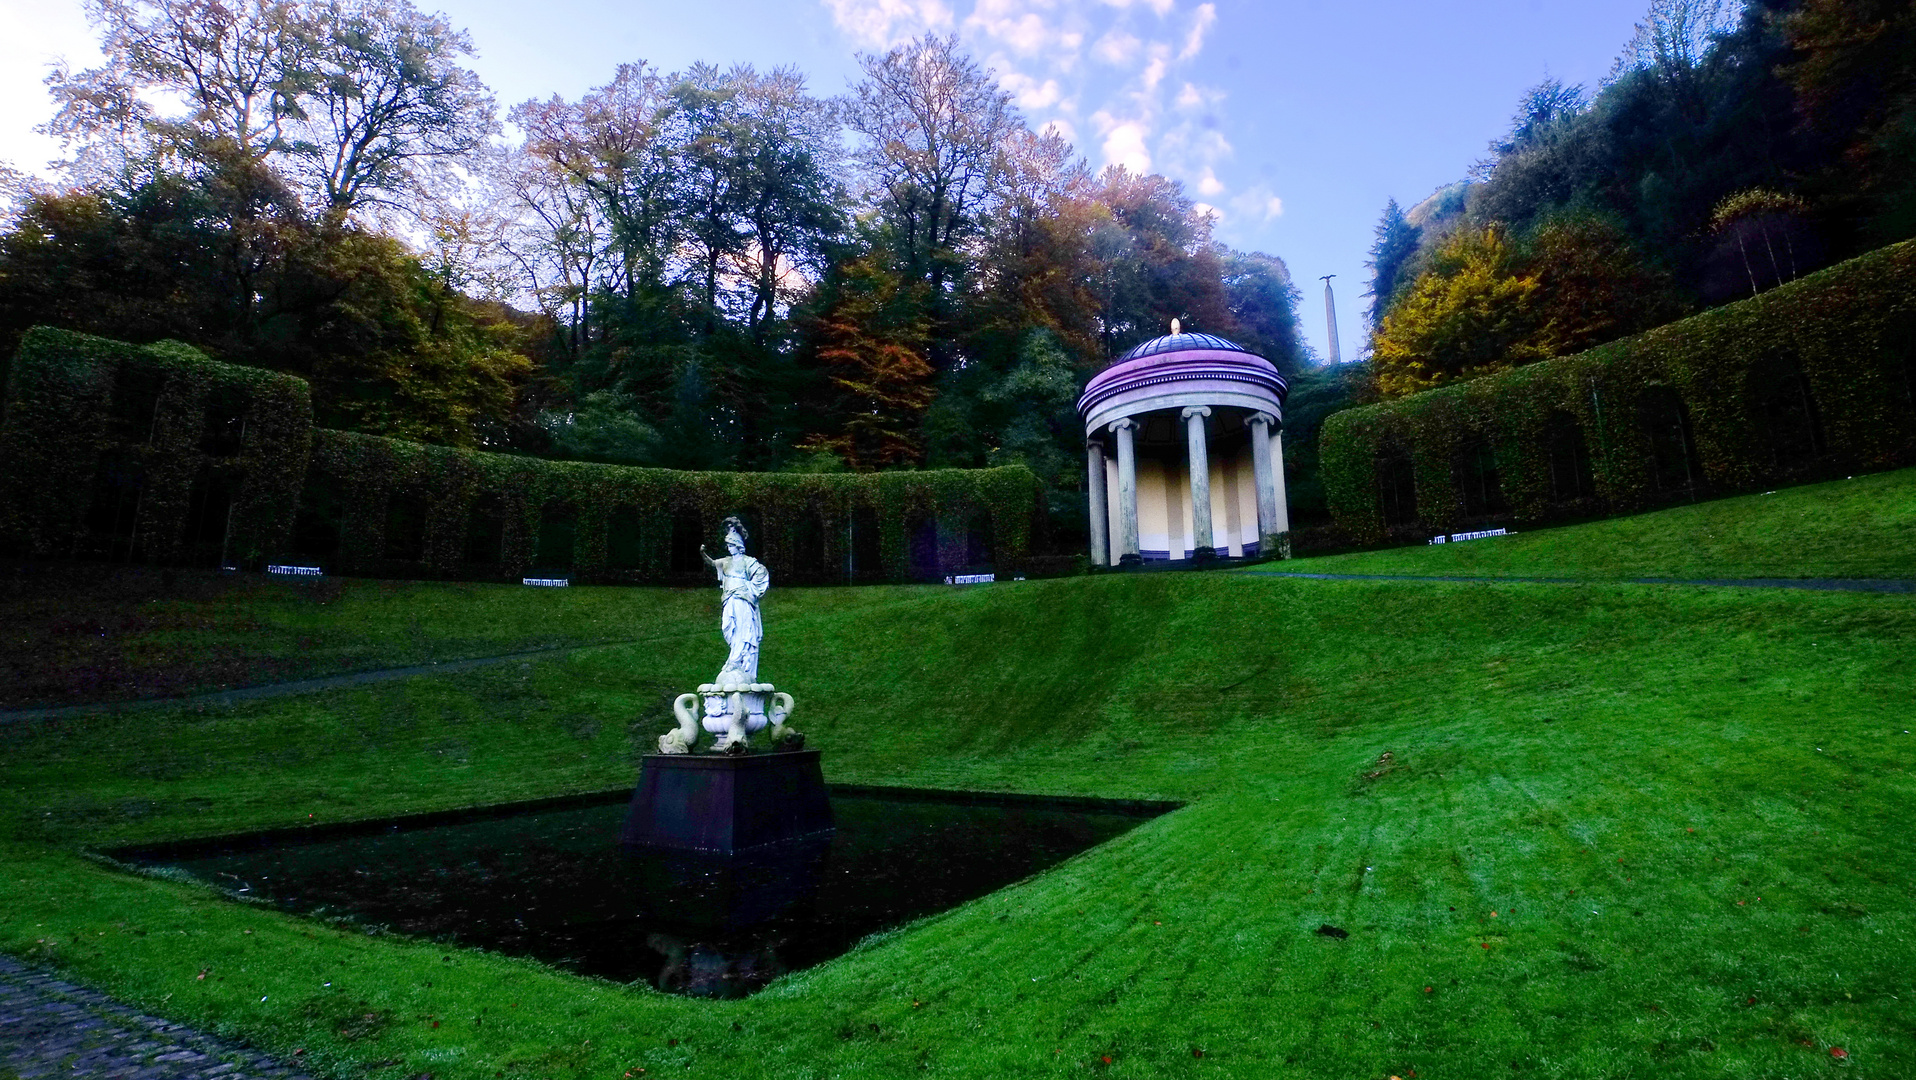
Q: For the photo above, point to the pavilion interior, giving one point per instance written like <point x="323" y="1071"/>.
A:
<point x="1165" y="515"/>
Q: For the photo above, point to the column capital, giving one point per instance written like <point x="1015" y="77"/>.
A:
<point x="1260" y="418"/>
<point x="1126" y="424"/>
<point x="1094" y="444"/>
<point x="1196" y="410"/>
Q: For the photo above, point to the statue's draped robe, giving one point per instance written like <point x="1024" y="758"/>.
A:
<point x="743" y="580"/>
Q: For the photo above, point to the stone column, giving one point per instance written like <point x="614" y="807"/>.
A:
<point x="1094" y="488"/>
<point x="1202" y="537"/>
<point x="1283" y="496"/>
<point x="1127" y="493"/>
<point x="1267" y="513"/>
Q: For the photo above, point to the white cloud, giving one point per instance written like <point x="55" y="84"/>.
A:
<point x="1153" y="73"/>
<point x="1124" y="141"/>
<point x="1117" y="47"/>
<point x="1121" y="74"/>
<point x="1259" y="203"/>
<point x="1194" y="97"/>
<point x="1194" y="41"/>
<point x="880" y="24"/>
<point x="1026" y="32"/>
<point x="1192" y="152"/>
<point x="1206" y="208"/>
<point x="1028" y="93"/>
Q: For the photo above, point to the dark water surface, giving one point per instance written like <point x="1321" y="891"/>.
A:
<point x="552" y="883"/>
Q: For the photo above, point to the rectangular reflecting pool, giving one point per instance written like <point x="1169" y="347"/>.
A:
<point x="551" y="882"/>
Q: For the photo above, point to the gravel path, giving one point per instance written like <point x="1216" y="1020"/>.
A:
<point x="303" y="686"/>
<point x="1870" y="585"/>
<point x="52" y="1028"/>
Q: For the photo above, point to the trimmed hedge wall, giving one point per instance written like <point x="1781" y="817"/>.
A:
<point x="1811" y="379"/>
<point x="158" y="454"/>
<point x="147" y="452"/>
<point x="613" y="523"/>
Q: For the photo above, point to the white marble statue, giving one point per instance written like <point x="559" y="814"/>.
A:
<point x="743" y="580"/>
<point x="736" y="704"/>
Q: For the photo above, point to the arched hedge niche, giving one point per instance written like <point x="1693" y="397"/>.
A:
<point x="1396" y="486"/>
<point x="1664" y="422"/>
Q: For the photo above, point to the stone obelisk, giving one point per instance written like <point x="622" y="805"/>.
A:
<point x="1330" y="317"/>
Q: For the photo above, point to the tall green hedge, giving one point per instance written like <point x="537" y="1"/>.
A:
<point x="1846" y="334"/>
<point x="150" y="429"/>
<point x="622" y="521"/>
<point x="156" y="453"/>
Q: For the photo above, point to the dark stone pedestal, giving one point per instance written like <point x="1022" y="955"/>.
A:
<point x="727" y="803"/>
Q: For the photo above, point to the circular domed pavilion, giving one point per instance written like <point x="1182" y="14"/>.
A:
<point x="1197" y="463"/>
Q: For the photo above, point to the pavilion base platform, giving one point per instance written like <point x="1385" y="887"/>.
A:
<point x="727" y="803"/>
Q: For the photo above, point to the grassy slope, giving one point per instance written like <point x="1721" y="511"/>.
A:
<point x="80" y="633"/>
<point x="1553" y="750"/>
<point x="1862" y="528"/>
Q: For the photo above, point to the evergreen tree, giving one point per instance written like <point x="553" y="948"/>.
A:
<point x="1395" y="243"/>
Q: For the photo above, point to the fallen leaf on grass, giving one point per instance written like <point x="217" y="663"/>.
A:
<point x="1838" y="1053"/>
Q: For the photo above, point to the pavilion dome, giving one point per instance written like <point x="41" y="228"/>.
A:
<point x="1174" y="368"/>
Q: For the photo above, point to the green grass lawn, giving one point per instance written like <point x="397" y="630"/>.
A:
<point x="1623" y="831"/>
<point x="1859" y="528"/>
<point x="86" y="633"/>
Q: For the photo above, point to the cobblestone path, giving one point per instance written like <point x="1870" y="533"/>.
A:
<point x="52" y="1028"/>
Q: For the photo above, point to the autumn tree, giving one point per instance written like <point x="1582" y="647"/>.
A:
<point x="1488" y="303"/>
<point x="1853" y="67"/>
<point x="1766" y="227"/>
<point x="382" y="93"/>
<point x="1472" y="313"/>
<point x="931" y="124"/>
<point x="1158" y="261"/>
<point x="342" y="97"/>
<point x="388" y="346"/>
<point x="1262" y="301"/>
<point x="238" y="67"/>
<point x="871" y="342"/>
<point x="1037" y="267"/>
<point x="607" y="147"/>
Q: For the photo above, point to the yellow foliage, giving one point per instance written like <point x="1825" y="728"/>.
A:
<point x="1473" y="312"/>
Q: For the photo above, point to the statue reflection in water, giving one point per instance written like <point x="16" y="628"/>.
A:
<point x="721" y="923"/>
<point x="705" y="969"/>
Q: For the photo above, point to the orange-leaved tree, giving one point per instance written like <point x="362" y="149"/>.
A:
<point x="1486" y="303"/>
<point x="871" y="339"/>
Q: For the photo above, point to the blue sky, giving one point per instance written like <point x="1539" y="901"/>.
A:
<point x="1296" y="121"/>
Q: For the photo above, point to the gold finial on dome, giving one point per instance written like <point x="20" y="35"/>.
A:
<point x="1176" y="327"/>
